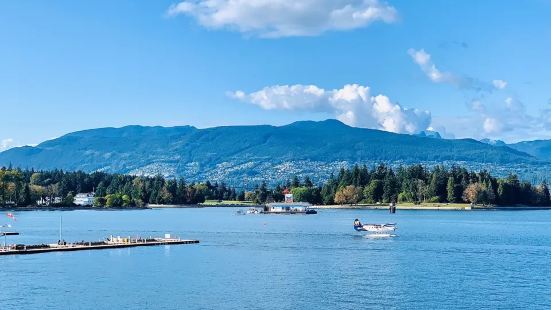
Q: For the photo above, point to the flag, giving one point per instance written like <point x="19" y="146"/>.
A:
<point x="10" y="215"/>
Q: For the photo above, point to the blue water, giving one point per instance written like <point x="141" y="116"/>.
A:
<point x="441" y="259"/>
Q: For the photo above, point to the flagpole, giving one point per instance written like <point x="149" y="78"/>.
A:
<point x="61" y="228"/>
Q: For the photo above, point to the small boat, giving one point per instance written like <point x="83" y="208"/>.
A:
<point x="241" y="212"/>
<point x="253" y="211"/>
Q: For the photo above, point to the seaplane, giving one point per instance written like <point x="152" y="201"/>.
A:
<point x="376" y="230"/>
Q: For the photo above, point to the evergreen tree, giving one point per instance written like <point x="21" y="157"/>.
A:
<point x="450" y="188"/>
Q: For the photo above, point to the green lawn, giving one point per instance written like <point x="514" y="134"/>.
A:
<point x="433" y="205"/>
<point x="228" y="202"/>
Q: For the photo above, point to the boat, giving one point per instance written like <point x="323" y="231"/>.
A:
<point x="253" y="211"/>
<point x="240" y="212"/>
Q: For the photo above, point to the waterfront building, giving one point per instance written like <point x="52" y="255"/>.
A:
<point x="46" y="201"/>
<point x="84" y="199"/>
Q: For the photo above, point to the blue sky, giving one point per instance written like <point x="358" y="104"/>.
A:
<point x="72" y="65"/>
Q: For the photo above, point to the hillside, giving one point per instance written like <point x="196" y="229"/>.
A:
<point x="537" y="148"/>
<point x="250" y="153"/>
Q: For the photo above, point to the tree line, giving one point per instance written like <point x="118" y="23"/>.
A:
<point x="359" y="184"/>
<point x="414" y="184"/>
<point x="27" y="187"/>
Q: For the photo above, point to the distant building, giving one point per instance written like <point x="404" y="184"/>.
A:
<point x="46" y="201"/>
<point x="289" y="198"/>
<point x="84" y="199"/>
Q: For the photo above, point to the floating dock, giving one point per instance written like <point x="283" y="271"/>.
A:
<point x="110" y="243"/>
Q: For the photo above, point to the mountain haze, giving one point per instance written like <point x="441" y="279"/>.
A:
<point x="537" y="148"/>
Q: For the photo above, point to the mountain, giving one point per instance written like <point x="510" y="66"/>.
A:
<point x="241" y="154"/>
<point x="430" y="134"/>
<point x="537" y="148"/>
<point x="493" y="142"/>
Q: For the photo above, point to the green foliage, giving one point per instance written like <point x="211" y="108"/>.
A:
<point x="307" y="194"/>
<point x="433" y="199"/>
<point x="414" y="184"/>
<point x="25" y="187"/>
<point x="374" y="191"/>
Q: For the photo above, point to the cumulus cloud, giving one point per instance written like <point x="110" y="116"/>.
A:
<point x="353" y="104"/>
<point x="492" y="125"/>
<point x="499" y="84"/>
<point x="505" y="119"/>
<point x="285" y="18"/>
<point x="6" y="144"/>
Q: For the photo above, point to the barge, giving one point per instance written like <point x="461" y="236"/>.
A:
<point x="109" y="243"/>
<point x="288" y="208"/>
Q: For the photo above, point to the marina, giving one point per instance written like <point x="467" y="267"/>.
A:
<point x="109" y="243"/>
<point x="112" y="243"/>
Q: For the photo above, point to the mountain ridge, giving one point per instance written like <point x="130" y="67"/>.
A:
<point x="256" y="152"/>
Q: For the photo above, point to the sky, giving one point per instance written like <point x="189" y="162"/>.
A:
<point x="476" y="69"/>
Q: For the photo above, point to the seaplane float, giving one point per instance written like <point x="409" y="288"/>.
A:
<point x="376" y="230"/>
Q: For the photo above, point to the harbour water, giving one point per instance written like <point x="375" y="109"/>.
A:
<point x="440" y="259"/>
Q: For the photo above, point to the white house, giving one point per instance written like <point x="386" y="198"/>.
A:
<point x="84" y="199"/>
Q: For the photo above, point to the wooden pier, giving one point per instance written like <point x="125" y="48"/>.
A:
<point x="111" y="243"/>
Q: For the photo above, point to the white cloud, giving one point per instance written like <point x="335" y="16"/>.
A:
<point x="492" y="125"/>
<point x="499" y="84"/>
<point x="285" y="18"/>
<point x="424" y="61"/>
<point x="353" y="104"/>
<point x="6" y="144"/>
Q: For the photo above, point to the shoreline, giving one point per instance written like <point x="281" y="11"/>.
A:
<point x="3" y="209"/>
<point x="435" y="206"/>
<point x="420" y="207"/>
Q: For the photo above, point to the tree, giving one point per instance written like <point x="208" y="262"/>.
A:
<point x="390" y="187"/>
<point x="308" y="182"/>
<point x="479" y="193"/>
<point x="451" y="189"/>
<point x="348" y="195"/>
<point x="373" y="193"/>
<point x="307" y="194"/>
<point x="262" y="193"/>
<point x="241" y="196"/>
<point x="126" y="201"/>
<point x="421" y="190"/>
<point x="69" y="199"/>
<point x="99" y="202"/>
<point x="328" y="191"/>
<point x="437" y="185"/>
<point x="113" y="200"/>
<point x="295" y="182"/>
<point x="471" y="193"/>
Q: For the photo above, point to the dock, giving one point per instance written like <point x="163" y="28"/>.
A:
<point x="110" y="243"/>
